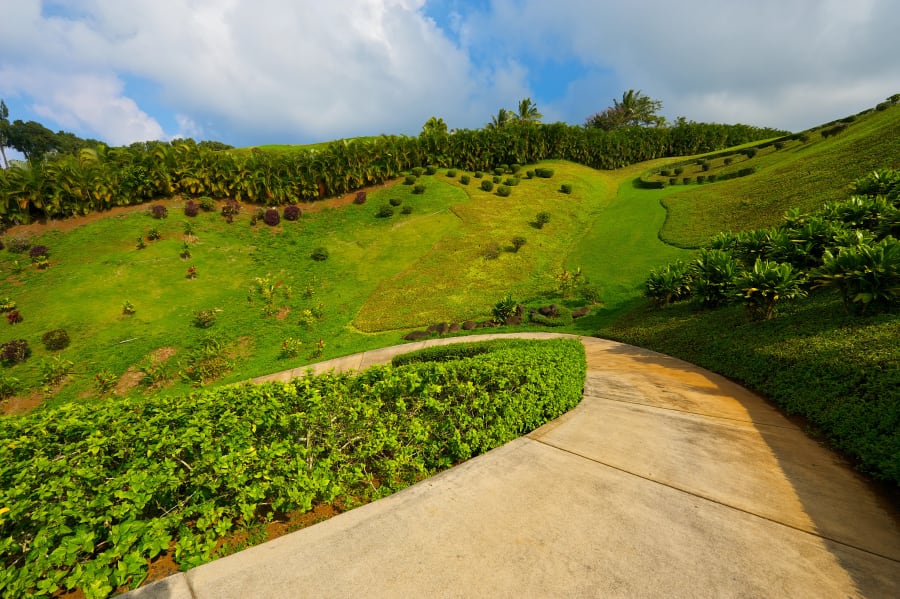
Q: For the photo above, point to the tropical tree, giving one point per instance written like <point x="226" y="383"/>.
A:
<point x="434" y="125"/>
<point x="635" y="109"/>
<point x="4" y="131"/>
<point x="528" y="112"/>
<point x="501" y="120"/>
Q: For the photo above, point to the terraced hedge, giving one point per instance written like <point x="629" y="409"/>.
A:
<point x="89" y="496"/>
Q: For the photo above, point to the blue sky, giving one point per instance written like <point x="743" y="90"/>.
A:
<point x="250" y="72"/>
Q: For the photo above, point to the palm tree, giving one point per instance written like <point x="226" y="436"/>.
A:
<point x="634" y="109"/>
<point x="501" y="120"/>
<point x="528" y="112"/>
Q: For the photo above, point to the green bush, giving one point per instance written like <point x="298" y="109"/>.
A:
<point x="704" y="165"/>
<point x="487" y="185"/>
<point x="395" y="202"/>
<point x="750" y="152"/>
<point x="561" y="317"/>
<point x="746" y="171"/>
<point x="504" y="309"/>
<point x="500" y="170"/>
<point x="418" y="171"/>
<point x="529" y="174"/>
<point x="385" y="212"/>
<point x="701" y="179"/>
<point x="686" y="180"/>
<point x="517" y="242"/>
<point x="543" y="173"/>
<point x="503" y="191"/>
<point x="542" y="219"/>
<point x="18" y="244"/>
<point x="515" y="168"/>
<point x="430" y="169"/>
<point x="14" y="351"/>
<point x="449" y="353"/>
<point x="320" y="254"/>
<point x="406" y="209"/>
<point x="464" y="179"/>
<point x="478" y="174"/>
<point x="678" y="171"/>
<point x="205" y="318"/>
<point x="496" y="179"/>
<point x="673" y="181"/>
<point x="511" y="181"/>
<point x="665" y="173"/>
<point x="207" y="204"/>
<point x="419" y="188"/>
<point x="451" y="173"/>
<point x="566" y="188"/>
<point x="409" y="180"/>
<point x="55" y="340"/>
<point x="154" y="470"/>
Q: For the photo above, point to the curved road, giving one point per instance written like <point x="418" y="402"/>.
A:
<point x="666" y="481"/>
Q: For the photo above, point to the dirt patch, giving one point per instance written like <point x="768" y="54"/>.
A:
<point x="21" y="404"/>
<point x="283" y="313"/>
<point x="133" y="376"/>
<point x="173" y="204"/>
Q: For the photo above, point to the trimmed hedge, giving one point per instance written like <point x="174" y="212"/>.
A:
<point x="140" y="473"/>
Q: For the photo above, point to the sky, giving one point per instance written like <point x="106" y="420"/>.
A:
<point x="253" y="72"/>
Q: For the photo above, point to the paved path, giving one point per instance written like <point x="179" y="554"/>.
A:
<point x="666" y="481"/>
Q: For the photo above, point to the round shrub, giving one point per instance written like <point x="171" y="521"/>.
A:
<point x="566" y="188"/>
<point x="430" y="169"/>
<point x="515" y="168"/>
<point x="518" y="242"/>
<point x="750" y="152"/>
<point x="159" y="211"/>
<point x="419" y="188"/>
<point x="500" y="170"/>
<point x="779" y="145"/>
<point x="686" y="180"/>
<point x="678" y="171"/>
<point x="464" y="179"/>
<point x="728" y="160"/>
<point x="542" y="219"/>
<point x="18" y="245"/>
<point x="207" y="204"/>
<point x="55" y="340"/>
<point x="385" y="212"/>
<point x="395" y="201"/>
<point x="409" y="180"/>
<point x="496" y="179"/>
<point x="15" y="351"/>
<point x="478" y="174"/>
<point x="418" y="171"/>
<point x="701" y="178"/>
<point x="191" y="208"/>
<point x="291" y="212"/>
<point x="704" y="165"/>
<point x="673" y="181"/>
<point x="665" y="173"/>
<point x="491" y="251"/>
<point x="503" y="191"/>
<point x="39" y="251"/>
<point x="487" y="185"/>
<point x="271" y="217"/>
<point x="451" y="173"/>
<point x="511" y="181"/>
<point x="360" y="197"/>
<point x="204" y="319"/>
<point x="529" y="174"/>
<point x="320" y="254"/>
<point x="543" y="173"/>
<point x="230" y="210"/>
<point x="406" y="209"/>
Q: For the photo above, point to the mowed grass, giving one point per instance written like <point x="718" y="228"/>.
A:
<point x="802" y="175"/>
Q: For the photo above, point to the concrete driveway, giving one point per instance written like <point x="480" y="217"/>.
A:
<point x="666" y="481"/>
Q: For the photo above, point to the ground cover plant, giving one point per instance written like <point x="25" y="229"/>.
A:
<point x="178" y="474"/>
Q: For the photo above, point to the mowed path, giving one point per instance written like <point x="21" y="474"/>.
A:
<point x="666" y="481"/>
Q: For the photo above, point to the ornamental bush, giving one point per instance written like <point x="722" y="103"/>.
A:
<point x="39" y="251"/>
<point x="395" y="202"/>
<point x="291" y="212"/>
<point x="207" y="204"/>
<point x="18" y="244"/>
<point x="271" y="217"/>
<point x="543" y="173"/>
<point x="191" y="208"/>
<point x="320" y="254"/>
<point x="385" y="212"/>
<point x="360" y="197"/>
<point x="496" y="179"/>
<point x="487" y="185"/>
<point x="430" y="169"/>
<point x="542" y="219"/>
<point x="503" y="191"/>
<point x="159" y="211"/>
<point x="409" y="180"/>
<point x="464" y="179"/>
<point x="478" y="174"/>
<point x="204" y="319"/>
<point x="451" y="173"/>
<point x="566" y="188"/>
<point x="419" y="188"/>
<point x="14" y="352"/>
<point x="55" y="340"/>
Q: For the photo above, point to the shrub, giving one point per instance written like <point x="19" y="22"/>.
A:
<point x="360" y="197"/>
<point x="503" y="191"/>
<point x="701" y="178"/>
<point x="746" y="171"/>
<point x="385" y="212"/>
<point x="529" y="174"/>
<point x="491" y="251"/>
<point x="18" y="244"/>
<point x="543" y="173"/>
<point x="204" y="319"/>
<point x="750" y="152"/>
<point x="140" y="243"/>
<point x="499" y="171"/>
<point x="128" y="308"/>
<point x="504" y="309"/>
<point x="515" y="168"/>
<point x="54" y="370"/>
<point x="291" y="212"/>
<point x="559" y="316"/>
<point x="271" y="217"/>
<point x="517" y="242"/>
<point x="487" y="185"/>
<point x="542" y="219"/>
<point x="105" y="381"/>
<point x="511" y="181"/>
<point x="14" y="317"/>
<point x="478" y="174"/>
<point x="451" y="173"/>
<point x="37" y="252"/>
<point x="728" y="160"/>
<point x="704" y="165"/>
<point x="686" y="180"/>
<point x="154" y="234"/>
<point x="406" y="209"/>
<point x="395" y="202"/>
<point x="185" y="253"/>
<point x="290" y="347"/>
<point x="55" y="340"/>
<point x="779" y="145"/>
<point x="320" y="254"/>
<point x="7" y="305"/>
<point x="409" y="180"/>
<point x="14" y="352"/>
<point x="191" y="272"/>
<point x="678" y="171"/>
<point x="464" y="179"/>
<point x="159" y="211"/>
<point x="419" y="188"/>
<point x="566" y="188"/>
<point x="9" y="386"/>
<point x="230" y="210"/>
<point x="673" y="181"/>
<point x="207" y="204"/>
<point x="665" y="173"/>
<point x="430" y="169"/>
<point x="496" y="179"/>
<point x="714" y="275"/>
<point x="418" y="171"/>
<point x="191" y="208"/>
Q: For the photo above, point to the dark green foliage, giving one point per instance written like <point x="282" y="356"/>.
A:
<point x="515" y="168"/>
<point x="451" y="173"/>
<point x="478" y="174"/>
<point x="529" y="174"/>
<point x="205" y="318"/>
<point x="291" y="212"/>
<point x="385" y="212"/>
<point x="499" y="171"/>
<point x="670" y="283"/>
<point x="419" y="188"/>
<point x="418" y="171"/>
<point x="566" y="188"/>
<point x="678" y="170"/>
<point x="543" y="173"/>
<point x="497" y="179"/>
<point x="464" y="179"/>
<point x="186" y="472"/>
<point x="779" y="145"/>
<point x="686" y="180"/>
<point x="230" y="209"/>
<point x="701" y="179"/>
<point x="207" y="204"/>
<point x="409" y="180"/>
<point x="542" y="219"/>
<point x="673" y="181"/>
<point x="766" y="284"/>
<point x="271" y="217"/>
<point x="191" y="208"/>
<point x="487" y="185"/>
<point x="154" y="234"/>
<point x="728" y="160"/>
<point x="395" y="201"/>
<point x="518" y="242"/>
<point x="430" y="169"/>
<point x="834" y="130"/>
<point x="320" y="254"/>
<point x="503" y="191"/>
<point x="750" y="152"/>
<point x="863" y="274"/>
<point x="511" y="181"/>
<point x="14" y="351"/>
<point x="714" y="275"/>
<point x="406" y="209"/>
<point x="159" y="211"/>
<point x="665" y="172"/>
<point x="504" y="309"/>
<point x="448" y="353"/>
<point x="55" y="340"/>
<point x="18" y="245"/>
<point x="704" y="165"/>
<point x="491" y="251"/>
<point x="746" y="171"/>
<point x="551" y="316"/>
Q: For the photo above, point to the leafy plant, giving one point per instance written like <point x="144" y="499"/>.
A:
<point x="395" y="201"/>
<point x="670" y="283"/>
<point x="188" y="228"/>
<point x="14" y="352"/>
<point x="205" y="318"/>
<point x="291" y="347"/>
<point x="566" y="188"/>
<point x="496" y="179"/>
<point x="766" y="284"/>
<point x="18" y="245"/>
<point x="543" y="172"/>
<point x="517" y="243"/>
<point x="385" y="212"/>
<point x="38" y="252"/>
<point x="418" y="171"/>
<point x="503" y="191"/>
<point x="714" y="275"/>
<point x="207" y="363"/>
<point x="153" y="234"/>
<point x="191" y="208"/>
<point x="320" y="254"/>
<point x="863" y="275"/>
<point x="491" y="251"/>
<point x="191" y="272"/>
<point x="55" y="340"/>
<point x="14" y="317"/>
<point x="185" y="251"/>
<point x="291" y="212"/>
<point x="465" y="179"/>
<point x="542" y="219"/>
<point x="54" y="370"/>
<point x="140" y="242"/>
<point x="207" y="204"/>
<point x="409" y="180"/>
<point x="451" y="173"/>
<point x="487" y="185"/>
<point x="159" y="211"/>
<point x="9" y="386"/>
<point x="360" y="197"/>
<point x="7" y="305"/>
<point x="430" y="169"/>
<point x="406" y="209"/>
<point x="478" y="174"/>
<point x="271" y="217"/>
<point x="419" y="188"/>
<point x="105" y="380"/>
<point x="128" y="308"/>
<point x="504" y="309"/>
